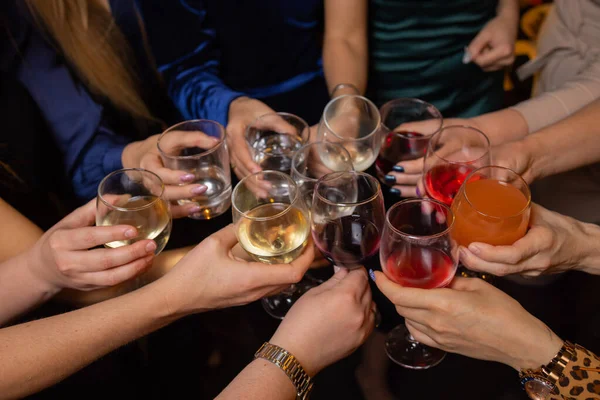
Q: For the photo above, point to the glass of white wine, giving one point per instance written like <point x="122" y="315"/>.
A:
<point x="135" y="197"/>
<point x="354" y="122"/>
<point x="272" y="226"/>
<point x="180" y="149"/>
<point x="274" y="138"/>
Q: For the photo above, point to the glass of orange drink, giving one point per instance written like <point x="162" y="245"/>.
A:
<point x="492" y="206"/>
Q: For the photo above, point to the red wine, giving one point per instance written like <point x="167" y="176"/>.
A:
<point x="420" y="267"/>
<point x="443" y="181"/>
<point x="348" y="241"/>
<point x="400" y="146"/>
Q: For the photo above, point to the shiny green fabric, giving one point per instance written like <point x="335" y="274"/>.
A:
<point x="417" y="48"/>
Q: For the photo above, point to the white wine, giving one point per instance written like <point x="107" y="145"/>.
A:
<point x="362" y="157"/>
<point x="217" y="198"/>
<point x="277" y="240"/>
<point x="150" y="215"/>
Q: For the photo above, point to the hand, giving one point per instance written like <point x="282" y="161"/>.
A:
<point x="493" y="48"/>
<point x="474" y="319"/>
<point x="145" y="154"/>
<point x="210" y="276"/>
<point x="554" y="243"/>
<point x="62" y="259"/>
<point x="242" y="112"/>
<point x="328" y="322"/>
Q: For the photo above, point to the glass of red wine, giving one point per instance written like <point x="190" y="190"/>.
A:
<point x="452" y="154"/>
<point x="407" y="125"/>
<point x="417" y="251"/>
<point x="347" y="218"/>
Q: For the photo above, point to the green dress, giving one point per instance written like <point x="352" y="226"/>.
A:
<point x="416" y="50"/>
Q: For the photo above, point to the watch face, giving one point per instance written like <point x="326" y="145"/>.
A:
<point x="538" y="389"/>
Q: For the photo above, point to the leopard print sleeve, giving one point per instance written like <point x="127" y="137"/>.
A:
<point x="581" y="378"/>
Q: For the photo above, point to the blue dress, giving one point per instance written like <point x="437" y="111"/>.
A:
<point x="213" y="51"/>
<point x="89" y="132"/>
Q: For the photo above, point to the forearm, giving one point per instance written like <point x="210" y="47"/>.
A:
<point x="19" y="233"/>
<point x="508" y="8"/>
<point x="260" y="380"/>
<point x="345" y="61"/>
<point x="20" y="289"/>
<point x="502" y="126"/>
<point x="46" y="351"/>
<point x="566" y="145"/>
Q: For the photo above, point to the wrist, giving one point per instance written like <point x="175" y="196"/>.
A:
<point x="590" y="254"/>
<point x="34" y="271"/>
<point x="540" y="350"/>
<point x="292" y="346"/>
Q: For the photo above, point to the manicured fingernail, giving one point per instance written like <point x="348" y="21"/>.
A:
<point x="187" y="177"/>
<point x="395" y="191"/>
<point x="150" y="247"/>
<point x="389" y="179"/>
<point x="254" y="170"/>
<point x="474" y="249"/>
<point x="195" y="209"/>
<point x="462" y="253"/>
<point x="467" y="56"/>
<point x="398" y="168"/>
<point x="372" y="275"/>
<point x="199" y="189"/>
<point x="418" y="192"/>
<point x="129" y="233"/>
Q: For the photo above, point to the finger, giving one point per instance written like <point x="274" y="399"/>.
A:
<point x="82" y="216"/>
<point x="475" y="263"/>
<point x="412" y="166"/>
<point x="225" y="238"/>
<point x="406" y="191"/>
<point x="404" y="296"/>
<point x="239" y="147"/>
<point x="153" y="162"/>
<point x="488" y="58"/>
<point x="332" y="282"/>
<point x="418" y="332"/>
<point x="114" y="276"/>
<point x="356" y="281"/>
<point x="536" y="240"/>
<point x="103" y="259"/>
<point x="185" y="210"/>
<point x="183" y="192"/>
<point x="478" y="44"/>
<point x="92" y="236"/>
<point x="403" y="179"/>
<point x="179" y="140"/>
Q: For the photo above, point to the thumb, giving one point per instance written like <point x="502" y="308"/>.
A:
<point x="477" y="45"/>
<point x="225" y="238"/>
<point x="82" y="216"/>
<point x="332" y="282"/>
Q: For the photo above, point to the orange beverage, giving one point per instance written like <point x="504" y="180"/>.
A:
<point x="492" y="207"/>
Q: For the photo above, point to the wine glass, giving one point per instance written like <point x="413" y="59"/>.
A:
<point x="315" y="160"/>
<point x="135" y="197"/>
<point x="493" y="206"/>
<point x="408" y="142"/>
<point x="355" y="123"/>
<point x="274" y="138"/>
<point x="347" y="217"/>
<point x="180" y="150"/>
<point x="452" y="154"/>
<point x="417" y="250"/>
<point x="272" y="226"/>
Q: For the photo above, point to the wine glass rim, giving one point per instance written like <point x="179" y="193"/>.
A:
<point x="434" y="152"/>
<point x="339" y="173"/>
<point x="284" y="114"/>
<point x="320" y="143"/>
<point x="369" y="102"/>
<point x="528" y="195"/>
<point x="193" y="156"/>
<point x="288" y="207"/>
<point x="414" y="100"/>
<point x="125" y="170"/>
<point x="420" y="200"/>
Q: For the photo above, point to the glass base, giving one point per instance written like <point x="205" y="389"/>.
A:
<point x="278" y="305"/>
<point x="402" y="349"/>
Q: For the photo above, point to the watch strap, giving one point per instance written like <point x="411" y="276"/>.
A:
<point x="290" y="365"/>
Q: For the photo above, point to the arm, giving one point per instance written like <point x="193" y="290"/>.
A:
<point x="345" y="43"/>
<point x="191" y="68"/>
<point x="18" y="233"/>
<point x="262" y="380"/>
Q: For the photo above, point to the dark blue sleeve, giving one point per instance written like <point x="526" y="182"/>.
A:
<point x="187" y="56"/>
<point x="90" y="148"/>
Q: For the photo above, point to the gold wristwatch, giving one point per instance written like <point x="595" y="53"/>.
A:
<point x="540" y="383"/>
<point x="290" y="365"/>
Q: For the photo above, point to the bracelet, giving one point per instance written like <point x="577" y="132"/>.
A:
<point x="290" y="365"/>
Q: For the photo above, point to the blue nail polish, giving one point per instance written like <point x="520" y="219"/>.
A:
<point x="372" y="275"/>
<point x="398" y="168"/>
<point x="390" y="179"/>
<point x="395" y="191"/>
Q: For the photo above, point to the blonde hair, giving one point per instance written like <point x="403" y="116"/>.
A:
<point x="88" y="37"/>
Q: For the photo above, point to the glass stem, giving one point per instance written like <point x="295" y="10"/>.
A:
<point x="290" y="290"/>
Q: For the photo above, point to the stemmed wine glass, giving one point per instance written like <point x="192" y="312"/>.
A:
<point x="347" y="217"/>
<point x="452" y="154"/>
<point x="492" y="206"/>
<point x="272" y="226"/>
<point x="180" y="149"/>
<point x="355" y="123"/>
<point x="405" y="142"/>
<point x="135" y="197"/>
<point x="274" y="138"/>
<point x="417" y="250"/>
